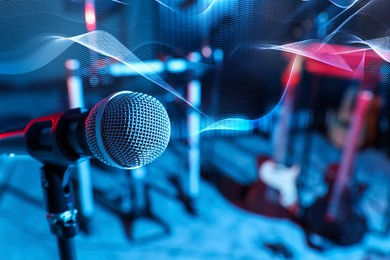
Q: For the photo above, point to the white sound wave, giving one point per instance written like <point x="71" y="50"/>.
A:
<point x="311" y="49"/>
<point x="380" y="45"/>
<point x="45" y="49"/>
<point x="345" y="4"/>
<point x="49" y="47"/>
<point x="106" y="44"/>
<point x="335" y="31"/>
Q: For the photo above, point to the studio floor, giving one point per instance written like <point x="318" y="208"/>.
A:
<point x="220" y="231"/>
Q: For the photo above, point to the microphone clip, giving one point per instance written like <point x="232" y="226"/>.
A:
<point x="55" y="139"/>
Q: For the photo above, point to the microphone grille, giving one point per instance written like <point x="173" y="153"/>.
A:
<point x="127" y="129"/>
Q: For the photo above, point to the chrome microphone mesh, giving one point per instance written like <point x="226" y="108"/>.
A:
<point x="127" y="129"/>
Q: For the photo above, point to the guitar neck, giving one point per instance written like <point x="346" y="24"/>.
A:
<point x="281" y="133"/>
<point x="363" y="101"/>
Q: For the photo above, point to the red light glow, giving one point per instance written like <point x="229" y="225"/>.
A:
<point x="352" y="56"/>
<point x="206" y="51"/>
<point x="90" y="17"/>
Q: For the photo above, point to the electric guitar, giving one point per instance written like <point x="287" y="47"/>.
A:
<point x="335" y="217"/>
<point x="279" y="180"/>
<point x="339" y="121"/>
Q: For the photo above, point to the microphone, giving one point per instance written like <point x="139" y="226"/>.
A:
<point x="125" y="130"/>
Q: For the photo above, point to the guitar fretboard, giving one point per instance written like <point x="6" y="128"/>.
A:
<point x="363" y="101"/>
<point x="281" y="133"/>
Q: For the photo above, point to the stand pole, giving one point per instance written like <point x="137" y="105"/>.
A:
<point x="61" y="213"/>
<point x="82" y="170"/>
<point x="193" y="120"/>
<point x="66" y="248"/>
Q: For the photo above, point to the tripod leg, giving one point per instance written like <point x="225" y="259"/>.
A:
<point x="141" y="207"/>
<point x="188" y="201"/>
<point x="149" y="212"/>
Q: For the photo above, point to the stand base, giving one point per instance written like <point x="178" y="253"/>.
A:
<point x="158" y="229"/>
<point x="189" y="202"/>
<point x="133" y="217"/>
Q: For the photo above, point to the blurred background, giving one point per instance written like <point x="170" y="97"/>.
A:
<point x="279" y="116"/>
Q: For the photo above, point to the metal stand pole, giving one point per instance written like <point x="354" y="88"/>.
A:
<point x="84" y="192"/>
<point x="61" y="213"/>
<point x="193" y="117"/>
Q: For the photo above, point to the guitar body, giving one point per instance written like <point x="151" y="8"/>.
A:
<point x="348" y="228"/>
<point x="335" y="216"/>
<point x="275" y="193"/>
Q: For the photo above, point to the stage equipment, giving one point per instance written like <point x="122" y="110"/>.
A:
<point x="126" y="130"/>
<point x="193" y="120"/>
<point x="82" y="171"/>
<point x="335" y="216"/>
<point x="279" y="180"/>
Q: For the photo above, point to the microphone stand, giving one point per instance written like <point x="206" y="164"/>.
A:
<point x="45" y="140"/>
<point x="61" y="213"/>
<point x="82" y="171"/>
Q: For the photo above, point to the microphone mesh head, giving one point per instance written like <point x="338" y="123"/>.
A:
<point x="127" y="129"/>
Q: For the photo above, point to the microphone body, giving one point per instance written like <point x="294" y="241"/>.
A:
<point x="125" y="130"/>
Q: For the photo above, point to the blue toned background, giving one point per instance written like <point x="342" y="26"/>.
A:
<point x="222" y="69"/>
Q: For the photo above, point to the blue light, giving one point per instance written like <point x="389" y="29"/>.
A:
<point x="75" y="92"/>
<point x="72" y="64"/>
<point x="237" y="124"/>
<point x="218" y="56"/>
<point x="177" y="66"/>
<point x="194" y="57"/>
<point x="194" y="95"/>
<point x="119" y="70"/>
